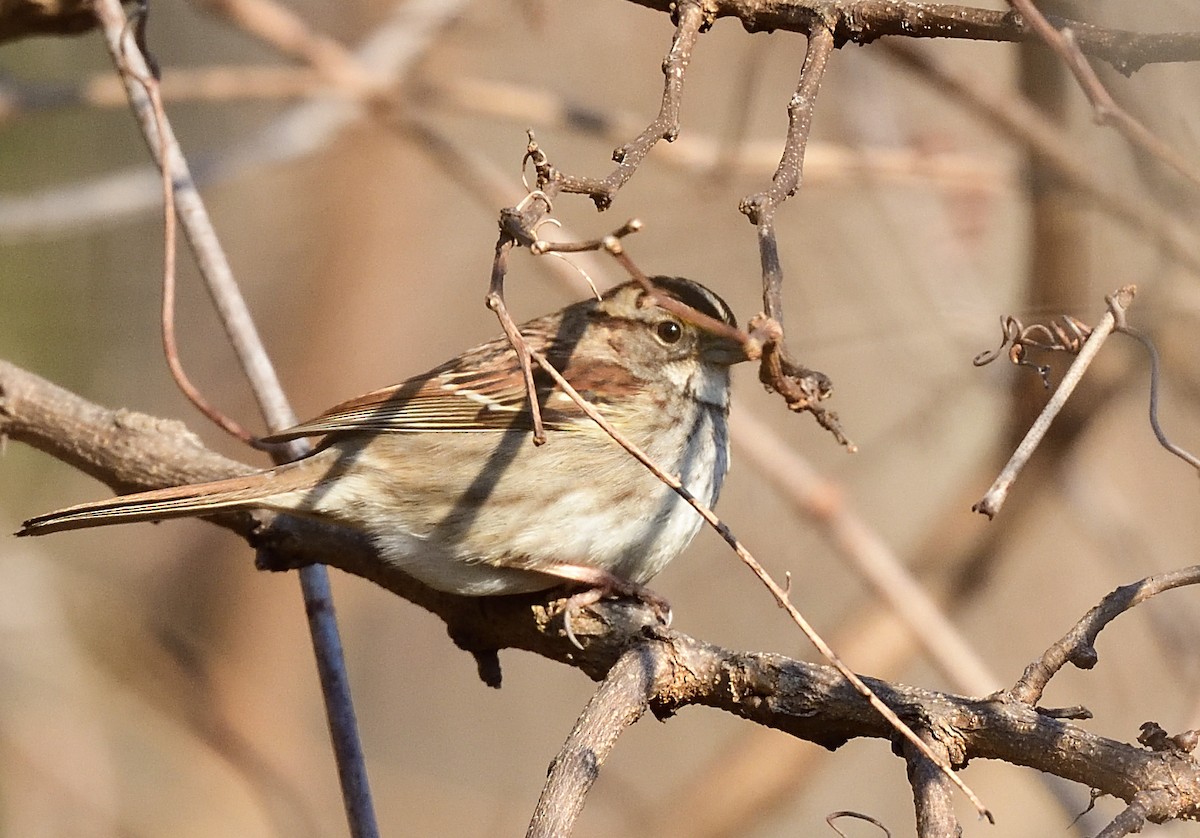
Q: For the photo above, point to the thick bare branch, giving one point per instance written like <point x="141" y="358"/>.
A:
<point x="933" y="797"/>
<point x="22" y="18"/>
<point x="863" y="21"/>
<point x="134" y="451"/>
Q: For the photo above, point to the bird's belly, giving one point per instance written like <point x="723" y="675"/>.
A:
<point x="487" y="531"/>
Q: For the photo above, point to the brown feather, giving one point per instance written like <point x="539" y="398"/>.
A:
<point x="481" y="390"/>
<point x="179" y="501"/>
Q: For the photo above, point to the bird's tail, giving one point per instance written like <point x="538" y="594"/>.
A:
<point x="178" y="501"/>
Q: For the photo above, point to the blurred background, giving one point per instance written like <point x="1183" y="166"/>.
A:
<point x="153" y="683"/>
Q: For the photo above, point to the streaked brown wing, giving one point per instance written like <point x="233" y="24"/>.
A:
<point x="480" y="391"/>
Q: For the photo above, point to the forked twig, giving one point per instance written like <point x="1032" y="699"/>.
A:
<point x="691" y="18"/>
<point x="780" y="595"/>
<point x="760" y="207"/>
<point x="541" y="246"/>
<point x="1078" y="645"/>
<point x="803" y="389"/>
<point x="1107" y="111"/>
<point x="994" y="499"/>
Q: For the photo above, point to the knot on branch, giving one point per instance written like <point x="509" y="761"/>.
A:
<point x="802" y="388"/>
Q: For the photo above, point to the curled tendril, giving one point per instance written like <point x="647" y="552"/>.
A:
<point x="1064" y="334"/>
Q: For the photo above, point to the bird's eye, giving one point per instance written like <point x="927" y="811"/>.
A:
<point x="669" y="331"/>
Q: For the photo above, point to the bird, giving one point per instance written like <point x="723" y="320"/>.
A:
<point x="440" y="470"/>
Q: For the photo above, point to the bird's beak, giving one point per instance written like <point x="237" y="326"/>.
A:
<point x="721" y="350"/>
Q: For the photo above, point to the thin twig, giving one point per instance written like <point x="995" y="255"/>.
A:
<point x="761" y="207"/>
<point x="541" y="246"/>
<point x="1078" y="645"/>
<point x="802" y="389"/>
<point x="243" y="336"/>
<point x="170" y="346"/>
<point x="214" y="265"/>
<point x="780" y="595"/>
<point x="750" y="344"/>
<point x="993" y="500"/>
<point x="864" y="550"/>
<point x="495" y="302"/>
<point x="1107" y="112"/>
<point x="691" y="19"/>
<point x="1155" y="380"/>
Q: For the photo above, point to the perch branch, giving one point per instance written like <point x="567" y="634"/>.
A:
<point x="131" y="451"/>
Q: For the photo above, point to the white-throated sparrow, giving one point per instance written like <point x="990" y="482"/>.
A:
<point x="440" y="471"/>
